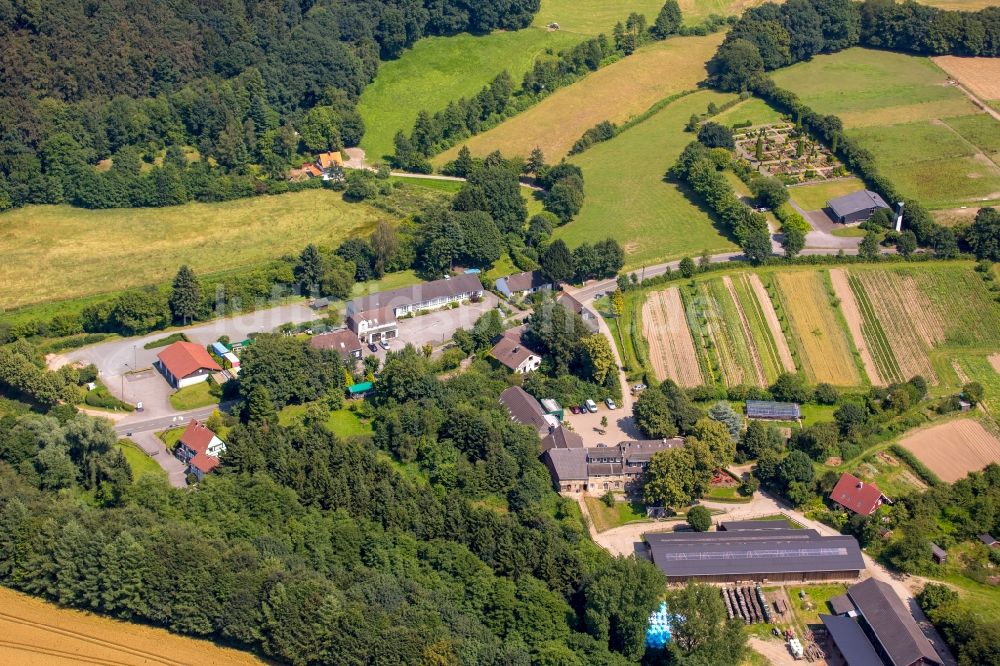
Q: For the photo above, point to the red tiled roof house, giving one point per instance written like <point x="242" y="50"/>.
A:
<point x="185" y="363"/>
<point x="857" y="496"/>
<point x="199" y="448"/>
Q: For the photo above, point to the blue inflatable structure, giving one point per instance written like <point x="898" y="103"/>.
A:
<point x="658" y="631"/>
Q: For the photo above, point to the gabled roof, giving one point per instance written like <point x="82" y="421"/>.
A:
<point x="753" y="525"/>
<point x="852" y="493"/>
<point x="841" y="604"/>
<point x="855" y="202"/>
<point x="330" y="159"/>
<point x="418" y="293"/>
<point x="204" y="462"/>
<point x="343" y="341"/>
<point x="185" y="358"/>
<point x="525" y="281"/>
<point x="851" y="641"/>
<point x="987" y="539"/>
<point x="196" y="437"/>
<point x="562" y="438"/>
<point x="567" y="464"/>
<point x="510" y="350"/>
<point x="893" y="626"/>
<point x="523" y="408"/>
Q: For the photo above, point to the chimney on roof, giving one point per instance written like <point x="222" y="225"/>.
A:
<point x="516" y="349"/>
<point x="861" y="484"/>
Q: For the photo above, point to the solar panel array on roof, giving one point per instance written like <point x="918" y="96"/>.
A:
<point x="765" y="409"/>
<point x="754" y="554"/>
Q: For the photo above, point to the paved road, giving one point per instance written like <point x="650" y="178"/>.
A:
<point x="155" y="449"/>
<point x="137" y="422"/>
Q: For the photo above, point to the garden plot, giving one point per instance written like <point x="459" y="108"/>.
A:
<point x="856" y="323"/>
<point x="822" y="343"/>
<point x="953" y="449"/>
<point x="787" y="152"/>
<point x="729" y="332"/>
<point x="671" y="348"/>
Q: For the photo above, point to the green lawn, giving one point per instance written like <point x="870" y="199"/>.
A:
<point x="192" y="397"/>
<point x="388" y="281"/>
<point x="168" y="340"/>
<point x="140" y="463"/>
<point x="342" y="422"/>
<point x="606" y="517"/>
<point x="812" y="414"/>
<point x="438" y="70"/>
<point x="753" y="110"/>
<point x="449" y="186"/>
<point x="502" y="268"/>
<point x="170" y="437"/>
<point x="927" y="137"/>
<point x="76" y="252"/>
<point x="628" y="200"/>
<point x="815" y="195"/>
<point x="807" y="610"/>
<point x="590" y="17"/>
<point x="978" y="369"/>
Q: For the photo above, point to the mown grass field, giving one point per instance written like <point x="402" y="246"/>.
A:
<point x="341" y="422"/>
<point x="823" y="346"/>
<point x="591" y="17"/>
<point x="754" y="110"/>
<point x="628" y="199"/>
<point x="927" y="136"/>
<point x="141" y="464"/>
<point x="438" y="70"/>
<point x="60" y="252"/>
<point x="617" y="93"/>
<point x="815" y="195"/>
<point x="193" y="397"/>
<point x="606" y="517"/>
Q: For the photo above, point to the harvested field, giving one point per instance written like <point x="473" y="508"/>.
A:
<point x="36" y="633"/>
<point x="671" y="349"/>
<point x="952" y="450"/>
<point x="980" y="75"/>
<point x="823" y="346"/>
<point x="995" y="362"/>
<point x="855" y="323"/>
<point x="617" y="93"/>
<point x="770" y="317"/>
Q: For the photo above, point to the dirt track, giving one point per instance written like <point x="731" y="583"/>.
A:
<point x="953" y="449"/>
<point x="36" y="633"/>
<point x="838" y="276"/>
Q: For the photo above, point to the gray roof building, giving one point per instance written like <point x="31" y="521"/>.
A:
<point x="892" y="630"/>
<point x="841" y="604"/>
<point x="856" y="206"/>
<point x="419" y="296"/>
<point x="774" y="555"/>
<point x="521" y="283"/>
<point x="573" y="305"/>
<point x="567" y="465"/>
<point x="753" y="525"/>
<point x="562" y="438"/>
<point x="850" y="639"/>
<point x="524" y="409"/>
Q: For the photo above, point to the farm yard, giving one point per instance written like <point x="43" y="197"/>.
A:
<point x="37" y="633"/>
<point x="671" y="347"/>
<point x="616" y="93"/>
<point x="438" y="70"/>
<point x="953" y="449"/>
<point x="927" y="135"/>
<point x="824" y="348"/>
<point x="76" y="252"/>
<point x="652" y="219"/>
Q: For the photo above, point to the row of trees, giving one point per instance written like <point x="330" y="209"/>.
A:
<point x="699" y="166"/>
<point x="433" y="133"/>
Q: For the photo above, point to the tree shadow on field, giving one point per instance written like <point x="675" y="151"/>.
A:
<point x="698" y="202"/>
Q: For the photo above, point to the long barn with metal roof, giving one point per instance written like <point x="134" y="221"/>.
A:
<point x="774" y="555"/>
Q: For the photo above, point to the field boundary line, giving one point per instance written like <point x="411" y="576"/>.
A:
<point x="747" y="333"/>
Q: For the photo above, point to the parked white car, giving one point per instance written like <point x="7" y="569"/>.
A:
<point x="610" y="403"/>
<point x="590" y="405"/>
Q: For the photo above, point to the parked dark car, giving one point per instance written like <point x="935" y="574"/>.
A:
<point x="372" y="347"/>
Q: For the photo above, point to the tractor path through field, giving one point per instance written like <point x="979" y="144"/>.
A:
<point x="978" y="102"/>
<point x="747" y="334"/>
<point x="838" y="277"/>
<point x="995" y="362"/>
<point x="784" y="353"/>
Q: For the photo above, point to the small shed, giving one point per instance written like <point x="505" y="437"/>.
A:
<point x="320" y="304"/>
<point x="552" y="406"/>
<point x="360" y="389"/>
<point x="988" y="540"/>
<point x="220" y="349"/>
<point x="938" y="553"/>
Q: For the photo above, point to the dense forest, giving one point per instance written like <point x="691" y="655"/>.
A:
<point x="441" y="544"/>
<point x="191" y="99"/>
